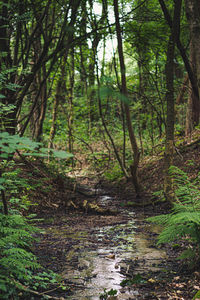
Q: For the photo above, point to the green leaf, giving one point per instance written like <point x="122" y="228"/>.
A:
<point x="3" y="286"/>
<point x="196" y="296"/>
<point x="36" y="154"/>
<point x="62" y="154"/>
<point x="123" y="98"/>
<point x="105" y="92"/>
<point x="2" y="180"/>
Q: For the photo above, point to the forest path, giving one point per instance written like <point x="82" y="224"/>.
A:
<point x="97" y="255"/>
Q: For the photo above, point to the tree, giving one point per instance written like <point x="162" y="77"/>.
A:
<point x="34" y="42"/>
<point x="134" y="146"/>
<point x="192" y="8"/>
<point x="169" y="147"/>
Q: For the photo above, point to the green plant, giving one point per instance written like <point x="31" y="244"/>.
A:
<point x="16" y="260"/>
<point x="137" y="279"/>
<point x="20" y="273"/>
<point x="19" y="265"/>
<point x="106" y="294"/>
<point x="11" y="144"/>
<point x="184" y="220"/>
<point x="196" y="296"/>
<point x="114" y="173"/>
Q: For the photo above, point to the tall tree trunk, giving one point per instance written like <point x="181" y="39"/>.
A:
<point x="5" y="65"/>
<point x="192" y="113"/>
<point x="70" y="101"/>
<point x="169" y="146"/>
<point x="193" y="16"/>
<point x="60" y="98"/>
<point x="54" y="113"/>
<point x="134" y="146"/>
<point x="180" y="46"/>
<point x="92" y="58"/>
<point x="169" y="143"/>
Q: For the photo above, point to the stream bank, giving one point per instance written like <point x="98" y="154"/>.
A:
<point x="98" y="255"/>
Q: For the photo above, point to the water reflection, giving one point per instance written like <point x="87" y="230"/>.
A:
<point x="99" y="269"/>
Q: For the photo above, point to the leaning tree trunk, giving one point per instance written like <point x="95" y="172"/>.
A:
<point x="134" y="146"/>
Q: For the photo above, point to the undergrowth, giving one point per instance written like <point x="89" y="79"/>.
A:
<point x="21" y="276"/>
<point x="183" y="223"/>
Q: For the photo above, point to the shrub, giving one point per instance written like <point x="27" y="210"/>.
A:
<point x="184" y="220"/>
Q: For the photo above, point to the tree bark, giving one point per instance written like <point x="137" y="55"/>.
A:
<point x="134" y="146"/>
<point x="180" y="47"/>
<point x="169" y="145"/>
<point x="193" y="16"/>
<point x="70" y="101"/>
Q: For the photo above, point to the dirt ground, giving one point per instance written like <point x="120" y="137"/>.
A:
<point x="60" y="207"/>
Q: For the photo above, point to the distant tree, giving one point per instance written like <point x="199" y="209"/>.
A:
<point x="192" y="8"/>
<point x="133" y="141"/>
<point x="169" y="147"/>
<point x="34" y="35"/>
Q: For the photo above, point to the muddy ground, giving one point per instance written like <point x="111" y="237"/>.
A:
<point x="71" y="229"/>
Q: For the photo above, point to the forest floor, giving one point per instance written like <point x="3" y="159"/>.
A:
<point x="72" y="225"/>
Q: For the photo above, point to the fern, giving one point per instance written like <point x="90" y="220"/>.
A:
<point x="184" y="220"/>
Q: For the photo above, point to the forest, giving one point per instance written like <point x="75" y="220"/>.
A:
<point x="99" y="149"/>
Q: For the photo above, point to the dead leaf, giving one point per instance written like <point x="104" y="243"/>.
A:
<point x="111" y="256"/>
<point x="151" y="280"/>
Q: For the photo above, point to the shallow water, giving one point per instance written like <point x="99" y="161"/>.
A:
<point x="97" y="259"/>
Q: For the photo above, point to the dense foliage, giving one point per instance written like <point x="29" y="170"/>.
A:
<point x="105" y="82"/>
<point x="184" y="220"/>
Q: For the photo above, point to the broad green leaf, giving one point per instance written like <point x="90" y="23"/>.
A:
<point x="62" y="154"/>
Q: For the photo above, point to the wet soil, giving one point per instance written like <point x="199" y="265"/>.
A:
<point x="98" y="254"/>
<point x="113" y="251"/>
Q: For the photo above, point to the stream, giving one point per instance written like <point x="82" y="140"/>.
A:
<point x="96" y="261"/>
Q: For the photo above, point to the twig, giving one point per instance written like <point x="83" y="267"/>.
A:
<point x="37" y="293"/>
<point x="178" y="152"/>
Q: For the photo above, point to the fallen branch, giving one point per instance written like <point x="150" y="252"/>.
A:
<point x="27" y="289"/>
<point x="184" y="148"/>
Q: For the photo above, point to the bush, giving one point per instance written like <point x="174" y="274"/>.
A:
<point x="16" y="260"/>
<point x="184" y="220"/>
<point x="19" y="269"/>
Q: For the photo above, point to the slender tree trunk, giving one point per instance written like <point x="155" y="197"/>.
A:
<point x="4" y="200"/>
<point x="60" y="97"/>
<point x="42" y="109"/>
<point x="54" y="114"/>
<point x="179" y="44"/>
<point x="182" y="91"/>
<point x="192" y="112"/>
<point x="169" y="145"/>
<point x="70" y="101"/>
<point x="134" y="146"/>
<point x="92" y="58"/>
<point x="6" y="64"/>
<point x="193" y="16"/>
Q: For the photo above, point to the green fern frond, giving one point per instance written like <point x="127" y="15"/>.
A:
<point x="184" y="220"/>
